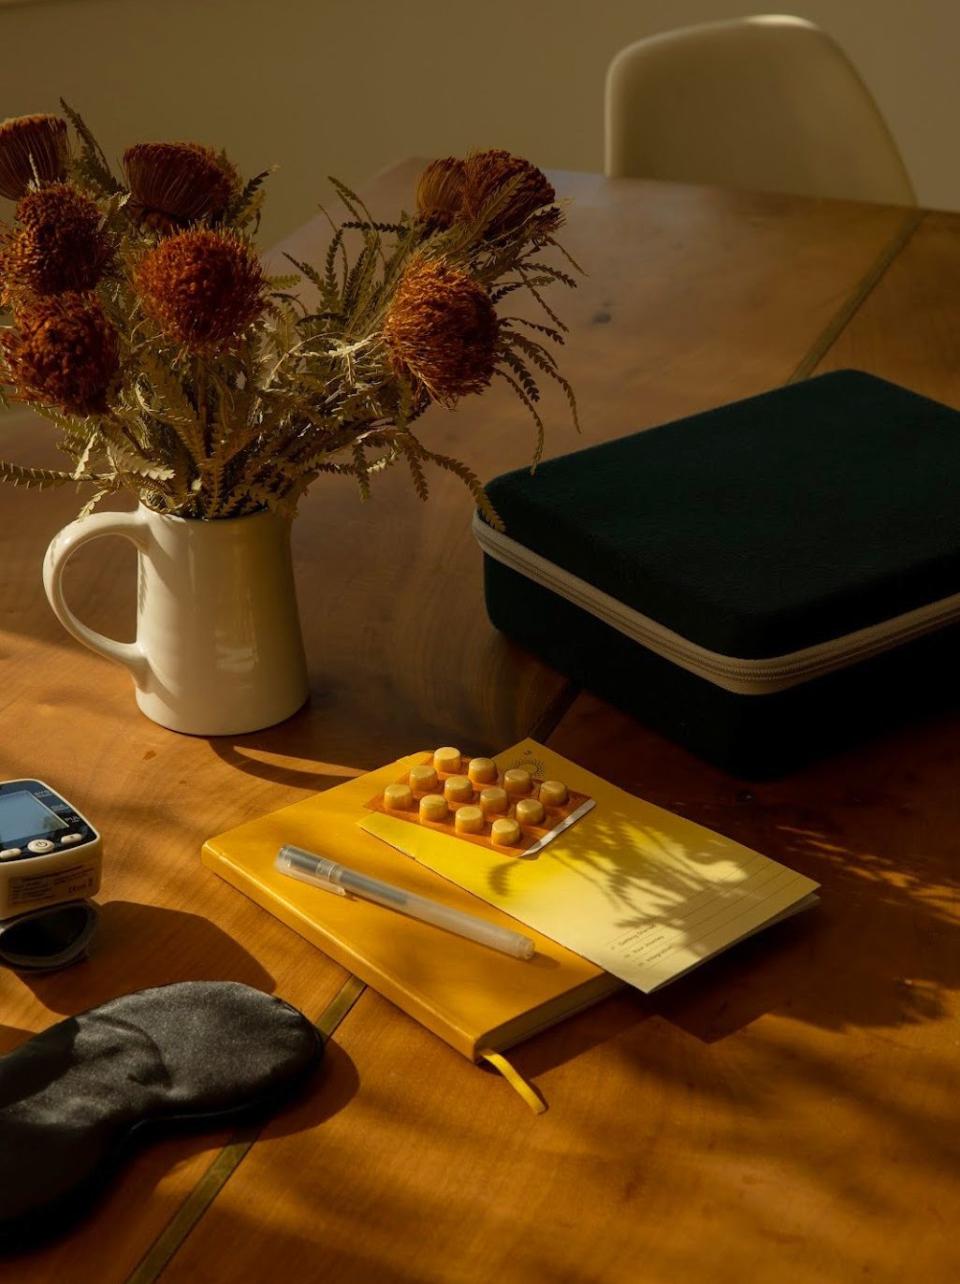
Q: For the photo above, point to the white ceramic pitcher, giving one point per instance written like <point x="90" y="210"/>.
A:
<point x="219" y="649"/>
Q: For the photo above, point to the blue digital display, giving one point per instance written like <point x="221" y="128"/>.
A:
<point x="23" y="816"/>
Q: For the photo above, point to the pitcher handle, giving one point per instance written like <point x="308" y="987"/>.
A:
<point x="62" y="547"/>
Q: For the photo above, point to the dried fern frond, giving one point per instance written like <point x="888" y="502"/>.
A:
<point x="34" y="478"/>
<point x="90" y="164"/>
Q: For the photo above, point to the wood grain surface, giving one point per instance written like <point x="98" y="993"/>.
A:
<point x="783" y="1115"/>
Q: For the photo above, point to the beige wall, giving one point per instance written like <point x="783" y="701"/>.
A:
<point x="348" y="86"/>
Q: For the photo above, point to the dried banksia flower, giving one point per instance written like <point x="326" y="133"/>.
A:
<point x="202" y="287"/>
<point x="60" y="243"/>
<point x="63" y="352"/>
<point x="32" y="148"/>
<point x="440" y="192"/>
<point x="442" y="330"/>
<point x="172" y="184"/>
<point x="487" y="173"/>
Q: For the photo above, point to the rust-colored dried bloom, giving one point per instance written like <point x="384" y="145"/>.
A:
<point x="440" y="192"/>
<point x="173" y="184"/>
<point x="63" y="352"/>
<point x="202" y="287"/>
<point x="32" y="147"/>
<point x="60" y="243"/>
<point x="487" y="173"/>
<point x="442" y="330"/>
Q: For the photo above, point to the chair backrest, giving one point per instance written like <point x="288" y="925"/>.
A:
<point x="769" y="103"/>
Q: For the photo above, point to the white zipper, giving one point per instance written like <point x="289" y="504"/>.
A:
<point x="746" y="677"/>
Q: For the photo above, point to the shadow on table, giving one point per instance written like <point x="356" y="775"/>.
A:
<point x="611" y="1019"/>
<point x="324" y="1095"/>
<point x="708" y="1004"/>
<point x="11" y="1037"/>
<point x="284" y="755"/>
<point x="874" y="827"/>
<point x="727" y="995"/>
<point x="137" y="946"/>
<point x="881" y="950"/>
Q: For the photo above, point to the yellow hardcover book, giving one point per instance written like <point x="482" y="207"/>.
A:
<point x="473" y="997"/>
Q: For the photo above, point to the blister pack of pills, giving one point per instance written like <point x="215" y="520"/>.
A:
<point x="511" y="811"/>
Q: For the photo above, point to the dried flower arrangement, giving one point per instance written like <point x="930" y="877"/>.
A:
<point x="140" y="320"/>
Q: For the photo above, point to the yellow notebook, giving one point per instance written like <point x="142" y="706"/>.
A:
<point x="473" y="997"/>
<point x="643" y="893"/>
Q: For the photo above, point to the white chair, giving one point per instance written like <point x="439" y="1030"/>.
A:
<point x="769" y="103"/>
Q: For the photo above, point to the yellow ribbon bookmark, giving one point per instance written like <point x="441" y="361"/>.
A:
<point x="516" y="1080"/>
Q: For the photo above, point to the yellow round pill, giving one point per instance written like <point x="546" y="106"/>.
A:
<point x="505" y="831"/>
<point x="553" y="793"/>
<point x="457" y="789"/>
<point x="433" y="807"/>
<point x="517" y="781"/>
<point x="482" y="771"/>
<point x="493" y="800"/>
<point x="468" y="820"/>
<point x="529" y="811"/>
<point x="447" y="760"/>
<point x="423" y="780"/>
<point x="398" y="797"/>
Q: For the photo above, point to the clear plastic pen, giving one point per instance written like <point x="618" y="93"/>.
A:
<point x="333" y="877"/>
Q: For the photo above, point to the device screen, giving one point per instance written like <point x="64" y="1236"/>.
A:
<point x="21" y="814"/>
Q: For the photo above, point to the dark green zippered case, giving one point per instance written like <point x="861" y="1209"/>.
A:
<point x="764" y="583"/>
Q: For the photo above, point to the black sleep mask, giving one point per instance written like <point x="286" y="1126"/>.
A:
<point x="198" y="1053"/>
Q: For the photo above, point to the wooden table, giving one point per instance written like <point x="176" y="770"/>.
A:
<point x="788" y="1113"/>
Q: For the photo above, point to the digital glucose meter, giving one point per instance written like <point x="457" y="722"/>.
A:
<point x="50" y="863"/>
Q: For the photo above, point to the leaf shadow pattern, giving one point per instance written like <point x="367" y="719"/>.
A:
<point x="666" y="885"/>
<point x="876" y="828"/>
